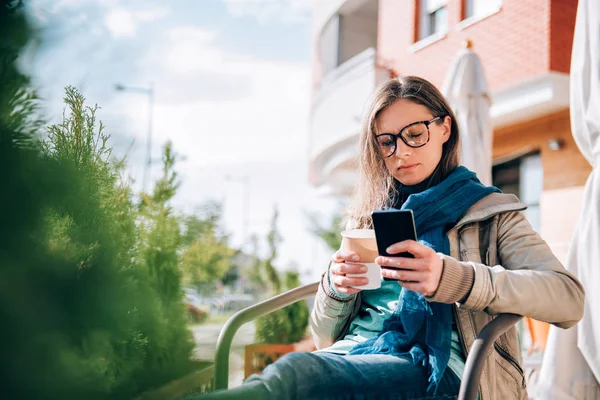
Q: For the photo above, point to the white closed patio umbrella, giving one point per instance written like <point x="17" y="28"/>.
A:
<point x="466" y="90"/>
<point x="571" y="365"/>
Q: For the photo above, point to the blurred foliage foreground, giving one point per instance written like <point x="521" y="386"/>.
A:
<point x="91" y="299"/>
<point x="90" y="293"/>
<point x="90" y="282"/>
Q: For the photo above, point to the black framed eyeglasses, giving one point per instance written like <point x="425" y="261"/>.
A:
<point x="414" y="135"/>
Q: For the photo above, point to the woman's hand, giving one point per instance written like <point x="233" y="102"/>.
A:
<point x="339" y="268"/>
<point x="420" y="274"/>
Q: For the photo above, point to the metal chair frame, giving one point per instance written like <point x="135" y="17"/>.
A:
<point x="469" y="387"/>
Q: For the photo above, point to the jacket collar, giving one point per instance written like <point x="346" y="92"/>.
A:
<point x="490" y="205"/>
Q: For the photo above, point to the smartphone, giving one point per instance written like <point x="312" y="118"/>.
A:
<point x="393" y="226"/>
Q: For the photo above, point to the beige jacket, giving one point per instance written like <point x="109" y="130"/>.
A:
<point x="497" y="264"/>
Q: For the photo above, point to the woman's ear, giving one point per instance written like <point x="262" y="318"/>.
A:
<point x="447" y="128"/>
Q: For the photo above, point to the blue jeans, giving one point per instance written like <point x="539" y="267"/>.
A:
<point x="300" y="376"/>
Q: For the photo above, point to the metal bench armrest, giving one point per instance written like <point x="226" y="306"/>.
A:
<point x="249" y="314"/>
<point x="477" y="355"/>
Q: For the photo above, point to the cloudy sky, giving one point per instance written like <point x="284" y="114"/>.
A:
<point x="232" y="92"/>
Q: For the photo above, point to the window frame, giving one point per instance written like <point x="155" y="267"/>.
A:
<point x="331" y="27"/>
<point x="468" y="20"/>
<point x="424" y="15"/>
<point x="516" y="165"/>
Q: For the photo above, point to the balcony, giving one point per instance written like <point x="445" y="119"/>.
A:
<point x="336" y="123"/>
<point x="345" y="74"/>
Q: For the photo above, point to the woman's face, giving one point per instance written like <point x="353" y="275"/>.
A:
<point x="408" y="165"/>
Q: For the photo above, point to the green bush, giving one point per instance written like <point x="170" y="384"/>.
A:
<point x="207" y="255"/>
<point x="90" y="299"/>
<point x="161" y="306"/>
<point x="330" y="232"/>
<point x="108" y="303"/>
<point x="289" y="324"/>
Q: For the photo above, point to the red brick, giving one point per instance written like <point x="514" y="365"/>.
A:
<point x="525" y="39"/>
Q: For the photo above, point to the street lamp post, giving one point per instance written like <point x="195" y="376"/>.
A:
<point x="149" y="91"/>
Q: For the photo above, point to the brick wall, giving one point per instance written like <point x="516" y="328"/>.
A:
<point x="524" y="39"/>
<point x="562" y="26"/>
<point x="562" y="168"/>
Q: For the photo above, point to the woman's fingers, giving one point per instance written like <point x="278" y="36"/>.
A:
<point x="343" y="269"/>
<point x="401" y="262"/>
<point x="346" y="282"/>
<point x="342" y="283"/>
<point x="341" y="256"/>
<point x="403" y="275"/>
<point x="410" y="246"/>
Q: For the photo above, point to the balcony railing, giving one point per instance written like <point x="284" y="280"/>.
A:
<point x="337" y="111"/>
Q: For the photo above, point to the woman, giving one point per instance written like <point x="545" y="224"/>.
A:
<point x="477" y="256"/>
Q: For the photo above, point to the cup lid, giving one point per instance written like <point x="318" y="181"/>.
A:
<point x="359" y="233"/>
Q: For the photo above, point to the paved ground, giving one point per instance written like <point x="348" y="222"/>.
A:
<point x="206" y="336"/>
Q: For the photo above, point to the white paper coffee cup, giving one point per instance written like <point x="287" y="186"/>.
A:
<point x="373" y="274"/>
<point x="362" y="242"/>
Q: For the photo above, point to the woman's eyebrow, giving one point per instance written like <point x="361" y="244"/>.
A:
<point x="396" y="131"/>
<point x="401" y="129"/>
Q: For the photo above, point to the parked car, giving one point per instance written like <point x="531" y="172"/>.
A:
<point x="232" y="302"/>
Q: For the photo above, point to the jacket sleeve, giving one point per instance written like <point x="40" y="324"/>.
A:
<point x="530" y="282"/>
<point x="331" y="314"/>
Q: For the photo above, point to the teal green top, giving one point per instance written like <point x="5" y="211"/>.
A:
<point x="377" y="306"/>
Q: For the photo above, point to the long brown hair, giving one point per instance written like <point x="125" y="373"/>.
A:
<point x="375" y="189"/>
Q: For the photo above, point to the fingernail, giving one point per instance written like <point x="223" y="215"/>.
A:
<point x="363" y="269"/>
<point x="354" y="257"/>
<point x="388" y="249"/>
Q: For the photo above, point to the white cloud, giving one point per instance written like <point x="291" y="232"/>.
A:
<point x="266" y="120"/>
<point x="269" y="123"/>
<point x="192" y="33"/>
<point x="266" y="11"/>
<point x="60" y="4"/>
<point x="120" y="22"/>
<point x="192" y="49"/>
<point x="123" y="22"/>
<point x="152" y="14"/>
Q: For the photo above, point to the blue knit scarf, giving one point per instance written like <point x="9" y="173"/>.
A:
<point x="418" y="329"/>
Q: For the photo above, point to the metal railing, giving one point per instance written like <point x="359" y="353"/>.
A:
<point x="196" y="383"/>
<point x="249" y="314"/>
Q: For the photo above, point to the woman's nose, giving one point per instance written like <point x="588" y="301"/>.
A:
<point x="402" y="149"/>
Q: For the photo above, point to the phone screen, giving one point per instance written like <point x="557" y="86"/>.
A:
<point x="393" y="226"/>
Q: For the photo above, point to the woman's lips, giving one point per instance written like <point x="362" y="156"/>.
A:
<point x="407" y="167"/>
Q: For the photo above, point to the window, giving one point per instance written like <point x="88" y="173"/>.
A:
<point x="524" y="178"/>
<point x="329" y="45"/>
<point x="481" y="8"/>
<point x="347" y="34"/>
<point x="433" y="18"/>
